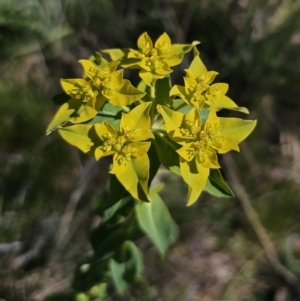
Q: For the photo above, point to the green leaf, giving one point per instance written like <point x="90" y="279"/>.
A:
<point x="110" y="109"/>
<point x="110" y="113"/>
<point x="155" y="221"/>
<point x="215" y="185"/>
<point x="91" y="273"/>
<point x="178" y="103"/>
<point x="106" y="239"/>
<point x="154" y="163"/>
<point x="203" y="114"/>
<point x="186" y="109"/>
<point x="157" y="188"/>
<point x="117" y="272"/>
<point x="100" y="117"/>
<point x="127" y="267"/>
<point x="119" y="211"/>
<point x="117" y="192"/>
<point x="162" y="90"/>
<point x="166" y="151"/>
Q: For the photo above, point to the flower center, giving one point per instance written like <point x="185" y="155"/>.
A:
<point x="107" y="142"/>
<point x="82" y="91"/>
<point x="213" y="131"/>
<point x="124" y="152"/>
<point x="163" y="48"/>
<point x="154" y="63"/>
<point x="129" y="133"/>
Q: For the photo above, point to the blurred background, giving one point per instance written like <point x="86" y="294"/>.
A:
<point x="47" y="187"/>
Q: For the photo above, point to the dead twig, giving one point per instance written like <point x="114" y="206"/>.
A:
<point x="85" y="178"/>
<point x="39" y="240"/>
<point x="259" y="229"/>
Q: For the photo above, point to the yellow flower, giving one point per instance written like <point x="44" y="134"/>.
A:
<point x="198" y="90"/>
<point x="201" y="143"/>
<point x="153" y="60"/>
<point x="101" y="83"/>
<point x="109" y="84"/>
<point x="128" y="146"/>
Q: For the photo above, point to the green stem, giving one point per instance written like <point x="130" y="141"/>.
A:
<point x="160" y="131"/>
<point x="125" y="109"/>
<point x="118" y="115"/>
<point x="153" y="107"/>
<point x="152" y="92"/>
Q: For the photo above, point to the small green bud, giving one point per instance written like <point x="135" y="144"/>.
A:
<point x="97" y="290"/>
<point x="82" y="297"/>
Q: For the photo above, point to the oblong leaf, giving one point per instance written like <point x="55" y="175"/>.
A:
<point x="155" y="221"/>
<point x="128" y="271"/>
<point x="215" y="185"/>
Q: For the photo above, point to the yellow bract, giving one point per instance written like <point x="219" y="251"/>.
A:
<point x="153" y="60"/>
<point x="201" y="143"/>
<point x="199" y="91"/>
<point x="127" y="145"/>
<point x="101" y="83"/>
<point x="183" y="142"/>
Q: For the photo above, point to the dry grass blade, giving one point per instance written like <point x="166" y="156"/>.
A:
<point x="259" y="229"/>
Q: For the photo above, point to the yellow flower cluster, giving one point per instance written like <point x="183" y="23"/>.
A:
<point x="93" y="121"/>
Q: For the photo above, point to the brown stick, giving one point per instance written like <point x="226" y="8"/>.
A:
<point x="259" y="229"/>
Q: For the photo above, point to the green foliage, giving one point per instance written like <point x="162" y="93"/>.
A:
<point x="155" y="221"/>
<point x="142" y="128"/>
<point x="232" y="36"/>
<point x="216" y="186"/>
<point x="126" y="267"/>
